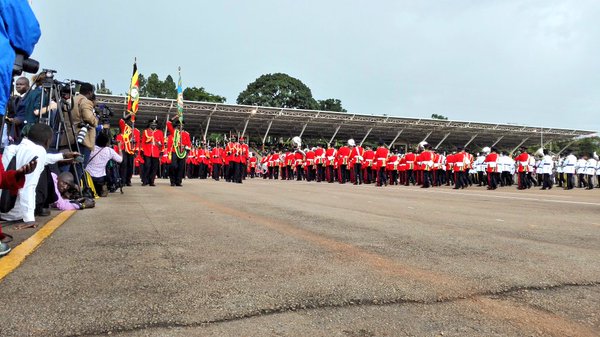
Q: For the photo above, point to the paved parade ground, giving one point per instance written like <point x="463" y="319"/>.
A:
<point x="272" y="258"/>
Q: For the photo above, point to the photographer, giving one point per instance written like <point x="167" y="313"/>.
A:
<point x="19" y="32"/>
<point x="69" y="196"/>
<point x="84" y="120"/>
<point x="96" y="166"/>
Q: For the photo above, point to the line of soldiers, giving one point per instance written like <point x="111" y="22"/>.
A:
<point x="428" y="167"/>
<point x="350" y="163"/>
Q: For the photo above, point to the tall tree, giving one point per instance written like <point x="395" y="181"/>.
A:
<point x="142" y="85"/>
<point x="331" y="104"/>
<point x="169" y="88"/>
<point x="278" y="90"/>
<point x="102" y="89"/>
<point x="154" y="86"/>
<point x="200" y="95"/>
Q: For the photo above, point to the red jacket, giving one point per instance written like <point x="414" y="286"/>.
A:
<point x="151" y="142"/>
<point x="491" y="161"/>
<point x="126" y="143"/>
<point x="343" y="155"/>
<point x="381" y="156"/>
<point x="357" y="155"/>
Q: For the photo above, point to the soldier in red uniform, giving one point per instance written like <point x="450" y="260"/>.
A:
<point x="252" y="164"/>
<point x="216" y="161"/>
<point x="381" y="155"/>
<point x="357" y="158"/>
<point x="288" y="163"/>
<point x="459" y="167"/>
<point x="179" y="143"/>
<point x="152" y="140"/>
<point x="369" y="157"/>
<point x="411" y="158"/>
<point x="274" y="165"/>
<point x="129" y="142"/>
<point x="427" y="165"/>
<point x="298" y="161"/>
<point x="343" y="161"/>
<point x="392" y="168"/>
<point x="491" y="161"/>
<point x="522" y="161"/>
<point x="310" y="165"/>
<point x="244" y="155"/>
<point x="320" y="163"/>
<point x="330" y="156"/>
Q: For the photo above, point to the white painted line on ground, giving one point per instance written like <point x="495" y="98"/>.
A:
<point x="491" y="195"/>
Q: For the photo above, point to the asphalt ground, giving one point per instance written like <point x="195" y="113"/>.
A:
<point x="273" y="258"/>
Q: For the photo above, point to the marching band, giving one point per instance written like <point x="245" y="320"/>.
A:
<point x="353" y="163"/>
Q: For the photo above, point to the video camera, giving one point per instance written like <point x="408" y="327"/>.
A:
<point x="24" y="64"/>
<point x="104" y="114"/>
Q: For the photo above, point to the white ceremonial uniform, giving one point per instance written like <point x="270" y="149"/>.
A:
<point x="547" y="164"/>
<point x="569" y="164"/>
<point x="590" y="168"/>
<point x="580" y="166"/>
<point x="25" y="205"/>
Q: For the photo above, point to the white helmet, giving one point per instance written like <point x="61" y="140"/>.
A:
<point x="298" y="141"/>
<point x="351" y="142"/>
<point x="421" y="145"/>
<point x="486" y="150"/>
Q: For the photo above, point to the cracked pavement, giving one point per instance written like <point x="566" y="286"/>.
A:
<point x="272" y="258"/>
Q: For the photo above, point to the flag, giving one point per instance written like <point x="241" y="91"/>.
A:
<point x="179" y="98"/>
<point x="134" y="93"/>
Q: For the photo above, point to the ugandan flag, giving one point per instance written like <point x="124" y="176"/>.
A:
<point x="134" y="93"/>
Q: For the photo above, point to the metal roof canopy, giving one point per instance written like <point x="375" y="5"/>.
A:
<point x="257" y="121"/>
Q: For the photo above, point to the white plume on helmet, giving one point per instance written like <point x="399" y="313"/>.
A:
<point x="297" y="141"/>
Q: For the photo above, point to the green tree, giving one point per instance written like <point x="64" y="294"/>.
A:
<point x="331" y="104"/>
<point x="278" y="90"/>
<point x="200" y="95"/>
<point x="142" y="85"/>
<point x="169" y="88"/>
<point x="154" y="86"/>
<point x="102" y="89"/>
<point x="436" y="116"/>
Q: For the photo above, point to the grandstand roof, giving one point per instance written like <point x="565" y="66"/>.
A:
<point x="256" y="122"/>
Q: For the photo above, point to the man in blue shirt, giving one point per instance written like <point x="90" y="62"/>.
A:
<point x="19" y="32"/>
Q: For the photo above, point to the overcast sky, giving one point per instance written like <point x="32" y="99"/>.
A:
<point x="525" y="62"/>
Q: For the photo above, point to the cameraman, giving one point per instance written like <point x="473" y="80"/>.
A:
<point x="19" y="32"/>
<point x="82" y="115"/>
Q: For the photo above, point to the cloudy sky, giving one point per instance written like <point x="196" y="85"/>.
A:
<point x="531" y="62"/>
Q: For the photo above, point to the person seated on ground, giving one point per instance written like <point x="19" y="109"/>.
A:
<point x="96" y="166"/>
<point x="69" y="196"/>
<point x="32" y="147"/>
<point x="12" y="181"/>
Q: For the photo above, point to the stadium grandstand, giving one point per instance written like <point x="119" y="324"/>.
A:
<point x="258" y="123"/>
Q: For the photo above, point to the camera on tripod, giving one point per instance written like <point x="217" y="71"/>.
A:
<point x="24" y="64"/>
<point x="104" y="114"/>
<point x="48" y="79"/>
<point x="82" y="132"/>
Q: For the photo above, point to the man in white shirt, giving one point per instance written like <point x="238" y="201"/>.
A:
<point x="569" y="169"/>
<point x="547" y="165"/>
<point x="580" y="170"/>
<point x="32" y="147"/>
<point x="590" y="171"/>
